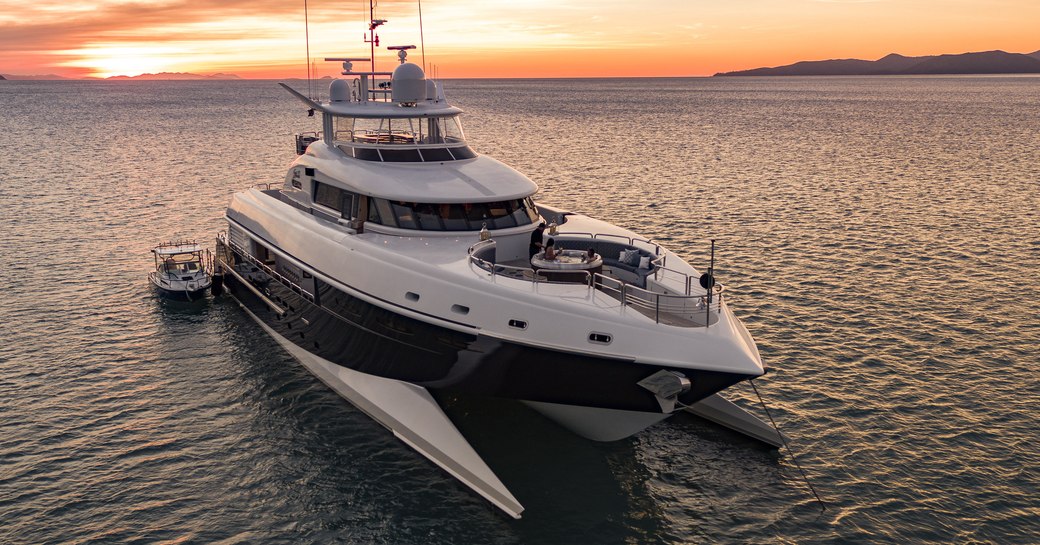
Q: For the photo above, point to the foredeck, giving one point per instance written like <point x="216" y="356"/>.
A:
<point x="664" y="295"/>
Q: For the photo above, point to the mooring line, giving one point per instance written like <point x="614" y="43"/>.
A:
<point x="788" y="447"/>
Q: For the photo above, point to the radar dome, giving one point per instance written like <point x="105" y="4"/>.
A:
<point x="339" y="90"/>
<point x="409" y="84"/>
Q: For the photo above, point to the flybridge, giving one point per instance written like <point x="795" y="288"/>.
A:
<point x="403" y="119"/>
<point x="406" y="88"/>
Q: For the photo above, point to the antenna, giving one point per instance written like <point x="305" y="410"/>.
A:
<point x="422" y="41"/>
<point x="373" y="23"/>
<point x="307" y="33"/>
<point x="402" y="52"/>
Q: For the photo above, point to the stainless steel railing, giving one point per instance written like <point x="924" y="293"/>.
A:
<point x="678" y="309"/>
<point x="226" y="240"/>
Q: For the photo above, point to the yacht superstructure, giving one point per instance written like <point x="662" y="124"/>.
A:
<point x="394" y="261"/>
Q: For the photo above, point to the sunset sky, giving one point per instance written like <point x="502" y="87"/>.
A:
<point x="487" y="38"/>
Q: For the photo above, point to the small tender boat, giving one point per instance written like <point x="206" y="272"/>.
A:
<point x="182" y="270"/>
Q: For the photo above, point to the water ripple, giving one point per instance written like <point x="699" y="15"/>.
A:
<point x="879" y="237"/>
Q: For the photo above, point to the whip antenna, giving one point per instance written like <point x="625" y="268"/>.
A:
<point x="307" y="33"/>
<point x="422" y="42"/>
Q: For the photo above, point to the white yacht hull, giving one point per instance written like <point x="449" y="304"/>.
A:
<point x="174" y="288"/>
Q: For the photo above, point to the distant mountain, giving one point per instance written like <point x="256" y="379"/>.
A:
<point x="14" y="77"/>
<point x="174" y="76"/>
<point x="2" y="77"/>
<point x="988" y="62"/>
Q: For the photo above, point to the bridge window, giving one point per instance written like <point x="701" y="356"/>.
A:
<point x="452" y="216"/>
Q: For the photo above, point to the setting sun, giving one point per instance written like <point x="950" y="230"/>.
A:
<point x="108" y="61"/>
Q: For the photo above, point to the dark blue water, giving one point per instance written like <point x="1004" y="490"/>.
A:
<point x="879" y="236"/>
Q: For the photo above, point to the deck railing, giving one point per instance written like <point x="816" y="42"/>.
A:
<point x="243" y="253"/>
<point x="678" y="309"/>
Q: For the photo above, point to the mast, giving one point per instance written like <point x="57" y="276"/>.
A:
<point x="373" y="38"/>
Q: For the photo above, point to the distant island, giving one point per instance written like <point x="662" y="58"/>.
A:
<point x="175" y="75"/>
<point x="146" y="77"/>
<point x="987" y="62"/>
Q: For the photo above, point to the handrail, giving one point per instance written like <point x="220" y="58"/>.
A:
<point x="271" y="304"/>
<point x="536" y="276"/>
<point x="223" y="238"/>
<point x="659" y="262"/>
<point x="630" y="240"/>
<point x="681" y="310"/>
<point x="674" y="305"/>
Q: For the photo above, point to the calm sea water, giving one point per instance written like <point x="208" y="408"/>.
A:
<point x="879" y="236"/>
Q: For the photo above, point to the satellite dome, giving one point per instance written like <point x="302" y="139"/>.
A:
<point x="339" y="90"/>
<point x="409" y="84"/>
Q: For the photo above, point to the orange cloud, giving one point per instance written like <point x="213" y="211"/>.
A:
<point x="477" y="38"/>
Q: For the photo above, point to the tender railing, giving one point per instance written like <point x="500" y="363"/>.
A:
<point x="678" y="309"/>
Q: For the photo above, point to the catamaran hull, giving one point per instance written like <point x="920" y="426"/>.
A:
<point x="364" y="337"/>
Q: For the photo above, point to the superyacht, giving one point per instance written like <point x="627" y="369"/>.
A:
<point x="395" y="262"/>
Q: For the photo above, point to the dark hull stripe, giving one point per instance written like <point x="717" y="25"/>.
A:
<point x="353" y="333"/>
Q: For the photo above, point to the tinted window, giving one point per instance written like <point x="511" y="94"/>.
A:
<point x="463" y="153"/>
<point x="405" y="215"/>
<point x="386" y="215"/>
<point x="373" y="212"/>
<point x="401" y="155"/>
<point x="428" y="218"/>
<point x="367" y="154"/>
<point x="436" y="154"/>
<point x="328" y="196"/>
<point x="532" y="210"/>
<point x="451" y="216"/>
<point x="454" y="217"/>
<point x="476" y="213"/>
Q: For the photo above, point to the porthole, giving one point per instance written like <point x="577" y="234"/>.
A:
<point x="600" y="338"/>
<point x="519" y="324"/>
<point x="460" y="309"/>
<point x="411" y="296"/>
